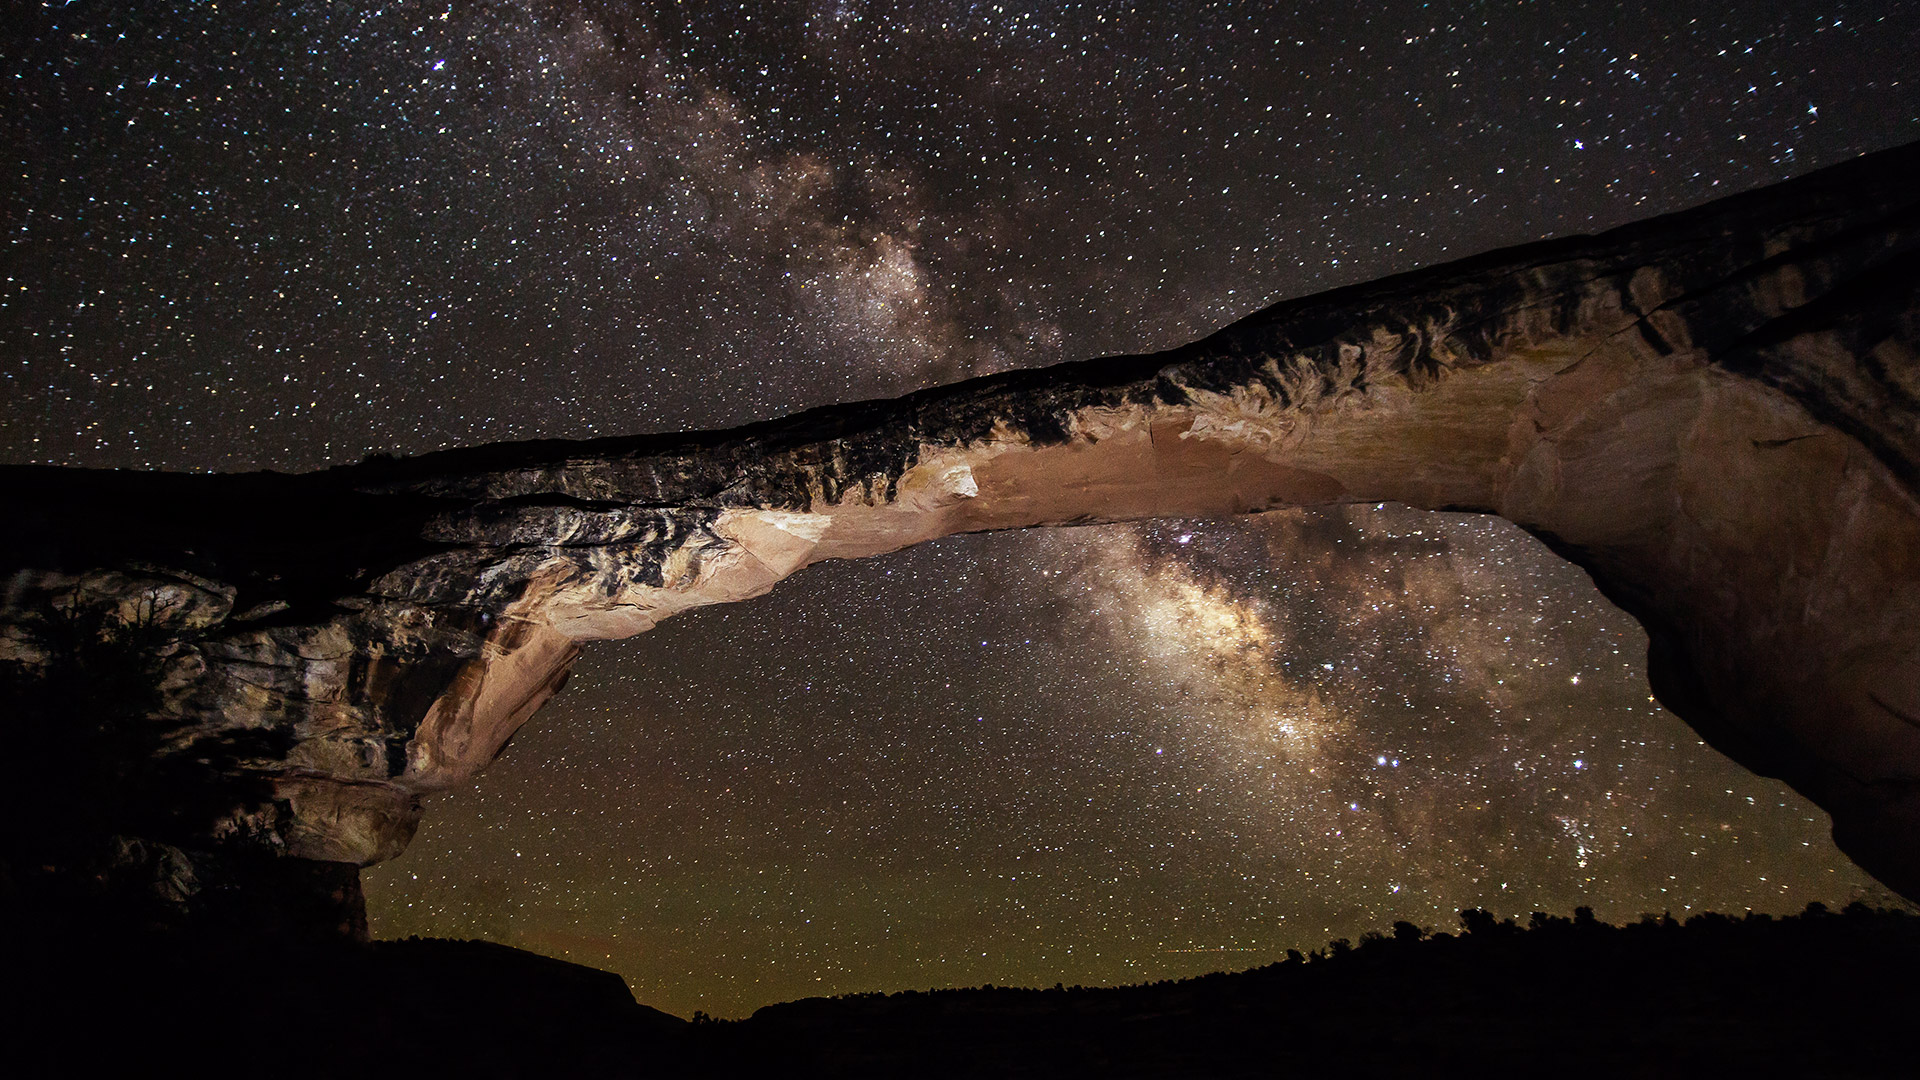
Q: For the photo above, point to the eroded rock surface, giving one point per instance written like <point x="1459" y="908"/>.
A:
<point x="1716" y="413"/>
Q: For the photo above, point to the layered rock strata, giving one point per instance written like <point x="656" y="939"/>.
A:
<point x="1716" y="413"/>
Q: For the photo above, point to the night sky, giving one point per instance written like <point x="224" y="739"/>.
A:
<point x="284" y="236"/>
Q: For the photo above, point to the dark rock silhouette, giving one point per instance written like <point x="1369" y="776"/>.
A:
<point x="106" y="1003"/>
<point x="1716" y="413"/>
<point x="1812" y="995"/>
<point x="1821" y="994"/>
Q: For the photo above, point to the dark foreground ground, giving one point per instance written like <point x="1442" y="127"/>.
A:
<point x="1814" y="995"/>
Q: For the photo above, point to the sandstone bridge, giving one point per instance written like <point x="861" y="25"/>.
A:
<point x="1715" y="413"/>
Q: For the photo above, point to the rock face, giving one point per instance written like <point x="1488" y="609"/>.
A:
<point x="1716" y="413"/>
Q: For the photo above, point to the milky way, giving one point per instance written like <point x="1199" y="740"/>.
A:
<point x="283" y="236"/>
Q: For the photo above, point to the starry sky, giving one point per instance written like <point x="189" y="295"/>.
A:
<point x="284" y="236"/>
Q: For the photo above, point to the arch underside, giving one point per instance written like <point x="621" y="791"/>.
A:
<point x="1713" y="413"/>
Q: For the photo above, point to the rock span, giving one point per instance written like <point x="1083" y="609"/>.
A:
<point x="1716" y="413"/>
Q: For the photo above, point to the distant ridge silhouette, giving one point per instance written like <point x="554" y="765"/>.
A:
<point x="1816" y="994"/>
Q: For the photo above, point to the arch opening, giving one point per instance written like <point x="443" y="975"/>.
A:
<point x="1102" y="754"/>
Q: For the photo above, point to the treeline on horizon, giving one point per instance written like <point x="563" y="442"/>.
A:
<point x="1819" y="992"/>
<point x="1478" y="928"/>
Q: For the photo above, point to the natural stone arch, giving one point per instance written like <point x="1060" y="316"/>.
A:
<point x="1714" y="413"/>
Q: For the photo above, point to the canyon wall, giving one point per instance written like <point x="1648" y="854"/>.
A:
<point x="1715" y="413"/>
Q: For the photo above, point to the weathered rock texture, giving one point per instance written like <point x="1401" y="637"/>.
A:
<point x="1716" y="413"/>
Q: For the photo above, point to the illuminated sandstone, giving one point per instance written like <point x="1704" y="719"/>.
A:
<point x="1717" y="414"/>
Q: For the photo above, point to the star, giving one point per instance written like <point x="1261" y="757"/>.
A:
<point x="592" y="223"/>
